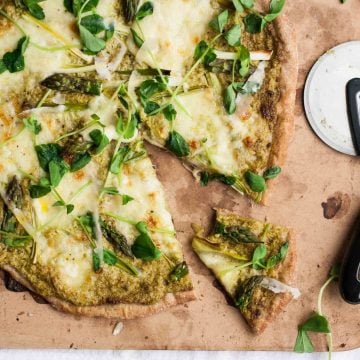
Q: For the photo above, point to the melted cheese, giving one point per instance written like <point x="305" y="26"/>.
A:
<point x="172" y="32"/>
<point x="38" y="63"/>
<point x="149" y="204"/>
<point x="209" y="130"/>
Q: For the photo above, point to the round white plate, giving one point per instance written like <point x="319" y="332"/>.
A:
<point x="325" y="95"/>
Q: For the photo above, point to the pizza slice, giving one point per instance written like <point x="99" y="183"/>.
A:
<point x="83" y="218"/>
<point x="253" y="261"/>
<point x="224" y="93"/>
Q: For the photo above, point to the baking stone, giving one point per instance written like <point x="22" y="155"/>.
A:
<point x="325" y="95"/>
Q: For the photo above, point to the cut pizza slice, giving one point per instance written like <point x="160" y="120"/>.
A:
<point x="254" y="262"/>
<point x="224" y="94"/>
<point x="83" y="221"/>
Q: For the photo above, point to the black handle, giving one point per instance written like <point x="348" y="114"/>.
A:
<point x="353" y="106"/>
<point x="350" y="270"/>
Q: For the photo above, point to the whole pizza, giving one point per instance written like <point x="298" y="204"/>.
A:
<point x="84" y="85"/>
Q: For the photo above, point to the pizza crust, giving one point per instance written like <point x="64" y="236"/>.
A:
<point x="119" y="311"/>
<point x="285" y="274"/>
<point x="286" y="39"/>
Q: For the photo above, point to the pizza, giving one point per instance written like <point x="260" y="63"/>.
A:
<point x="254" y="262"/>
<point x="84" y="220"/>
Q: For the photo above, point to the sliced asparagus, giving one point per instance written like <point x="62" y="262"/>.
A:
<point x="71" y="83"/>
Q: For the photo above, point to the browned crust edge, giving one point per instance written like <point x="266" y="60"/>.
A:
<point x="287" y="47"/>
<point x="286" y="275"/>
<point x="119" y="311"/>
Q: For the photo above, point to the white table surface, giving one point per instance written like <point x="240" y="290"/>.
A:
<point x="167" y="355"/>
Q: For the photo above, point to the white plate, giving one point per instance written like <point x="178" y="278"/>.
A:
<point x="325" y="95"/>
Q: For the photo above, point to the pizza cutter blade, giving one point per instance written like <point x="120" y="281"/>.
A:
<point x="331" y="105"/>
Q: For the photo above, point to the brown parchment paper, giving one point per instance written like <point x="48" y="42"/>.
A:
<point x="316" y="181"/>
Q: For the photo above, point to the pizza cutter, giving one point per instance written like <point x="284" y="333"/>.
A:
<point x="332" y="107"/>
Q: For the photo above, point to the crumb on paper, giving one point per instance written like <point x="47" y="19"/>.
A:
<point x="118" y="328"/>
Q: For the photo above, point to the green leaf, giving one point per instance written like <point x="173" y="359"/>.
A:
<point x="34" y="9"/>
<point x="80" y="161"/>
<point x="177" y="144"/>
<point x="202" y="50"/>
<point x="15" y="242"/>
<point x="32" y="125"/>
<point x="316" y="323"/>
<point x="233" y="36"/>
<point x="126" y="199"/>
<point x="259" y="256"/>
<point x="55" y="172"/>
<point x="244" y="59"/>
<point x="2" y="66"/>
<point x="38" y="191"/>
<point x="74" y="6"/>
<point x="272" y="172"/>
<point x="90" y="41"/>
<point x="124" y="155"/>
<point x="137" y="39"/>
<point x="14" y="60"/>
<point x="150" y="107"/>
<point x="146" y="9"/>
<point x="59" y="203"/>
<point x="179" y="271"/>
<point x="141" y="227"/>
<point x="99" y="139"/>
<point x="109" y="32"/>
<point x="87" y="222"/>
<point x="131" y="126"/>
<point x="229" y="99"/>
<point x="127" y="129"/>
<point x="206" y="177"/>
<point x="96" y="261"/>
<point x="276" y="6"/>
<point x="238" y="5"/>
<point x="111" y="259"/>
<point x="219" y="22"/>
<point x="150" y="87"/>
<point x="253" y="23"/>
<point x="68" y="5"/>
<point x="255" y="181"/>
<point x="169" y="112"/>
<point x="303" y="343"/>
<point x="248" y="4"/>
<point x="48" y="152"/>
<point x="118" y="160"/>
<point x="277" y="258"/>
<point x="120" y="124"/>
<point x="143" y="248"/>
<point x="69" y="208"/>
<point x="93" y="23"/>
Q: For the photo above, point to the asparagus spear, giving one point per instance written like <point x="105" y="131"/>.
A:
<point x="70" y="83"/>
<point x="115" y="238"/>
<point x="130" y="7"/>
<point x="12" y="233"/>
<point x="246" y="290"/>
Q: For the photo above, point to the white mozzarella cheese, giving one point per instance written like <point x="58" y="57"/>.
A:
<point x="172" y="32"/>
